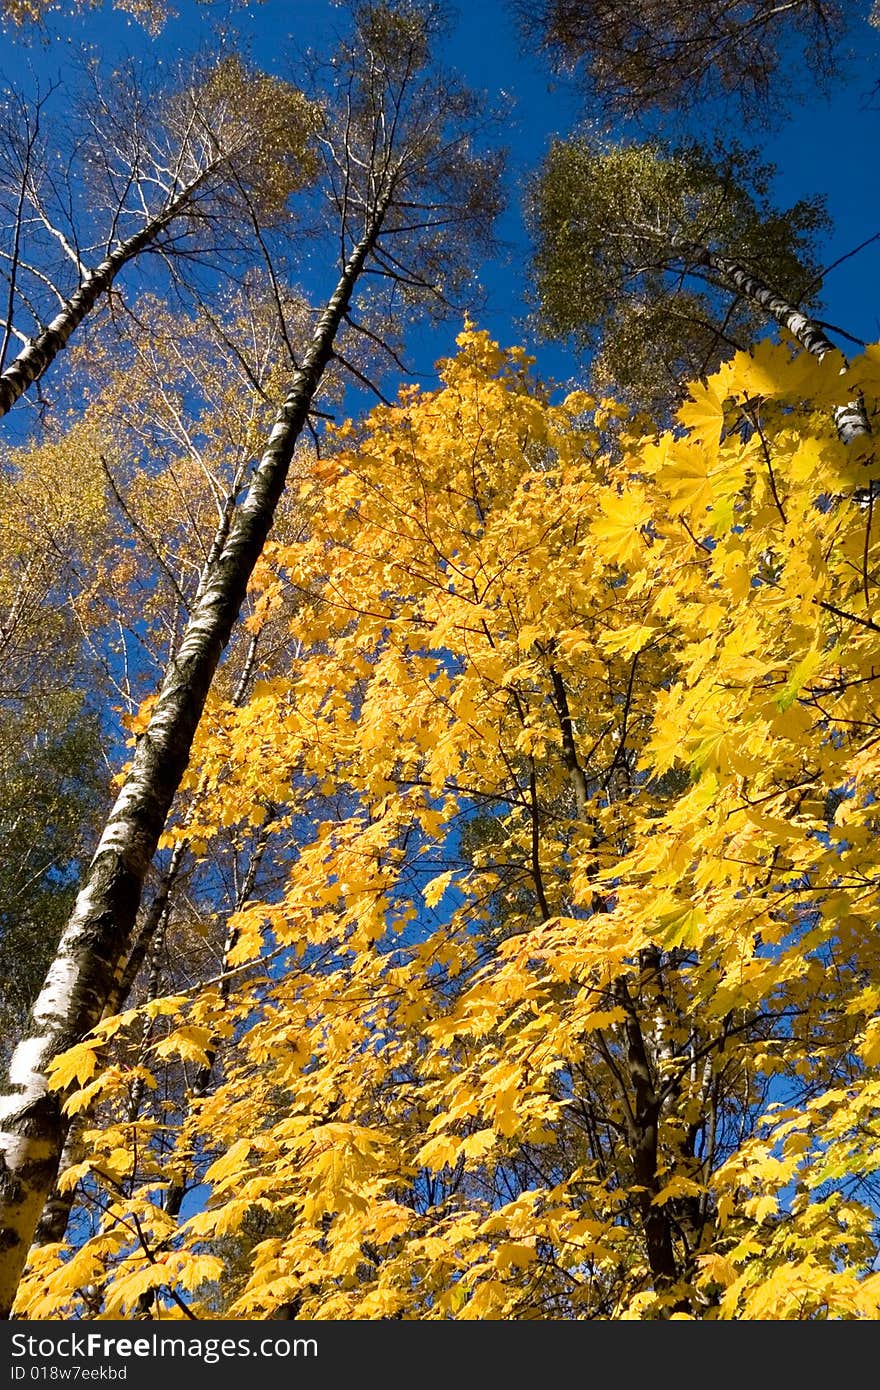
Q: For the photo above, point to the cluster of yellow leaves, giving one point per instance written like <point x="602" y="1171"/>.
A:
<point x="569" y="998"/>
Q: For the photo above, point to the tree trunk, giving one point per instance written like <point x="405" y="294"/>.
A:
<point x="644" y="1128"/>
<point x="850" y="419"/>
<point x="52" y="1224"/>
<point x="40" y="353"/>
<point x="81" y="977"/>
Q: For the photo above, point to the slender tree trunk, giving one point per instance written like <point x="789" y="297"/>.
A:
<point x="40" y="353"/>
<point x="569" y="751"/>
<point x="52" y="1224"/>
<point x="81" y="977"/>
<point x="850" y="419"/>
<point x="176" y="1191"/>
<point x="644" y="1128"/>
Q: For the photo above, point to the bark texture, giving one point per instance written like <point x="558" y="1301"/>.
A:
<point x="850" y="419"/>
<point x="82" y="975"/>
<point x="40" y="353"/>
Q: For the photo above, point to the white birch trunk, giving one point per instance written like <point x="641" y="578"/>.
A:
<point x="81" y="977"/>
<point x="40" y="353"/>
<point x="850" y="419"/>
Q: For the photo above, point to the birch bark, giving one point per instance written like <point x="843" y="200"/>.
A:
<point x="40" y="353"/>
<point x="81" y="977"/>
<point x="850" y="419"/>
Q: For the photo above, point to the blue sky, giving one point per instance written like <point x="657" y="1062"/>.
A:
<point x="825" y="147"/>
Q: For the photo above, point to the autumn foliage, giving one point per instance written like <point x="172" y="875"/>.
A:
<point x="566" y="1002"/>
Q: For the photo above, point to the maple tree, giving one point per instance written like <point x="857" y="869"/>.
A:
<point x="567" y="1006"/>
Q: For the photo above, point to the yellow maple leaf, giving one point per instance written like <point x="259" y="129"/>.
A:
<point x="704" y="412"/>
<point x="435" y="888"/>
<point x="77" y="1063"/>
<point x="191" y="1042"/>
<point x="619" y="524"/>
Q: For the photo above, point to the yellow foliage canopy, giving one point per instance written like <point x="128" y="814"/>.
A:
<point x="569" y="1004"/>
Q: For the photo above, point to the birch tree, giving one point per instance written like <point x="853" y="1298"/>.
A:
<point x="172" y="474"/>
<point x="412" y="199"/>
<point x="138" y="167"/>
<point x="665" y="261"/>
<point x="105" y="525"/>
